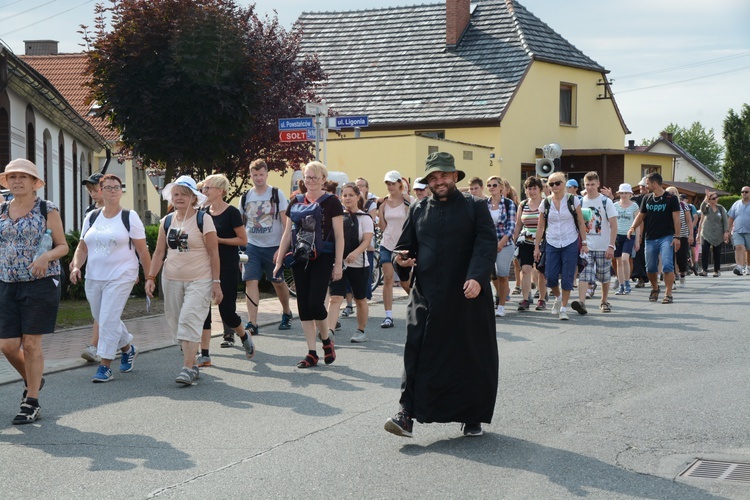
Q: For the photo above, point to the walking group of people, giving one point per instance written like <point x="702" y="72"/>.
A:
<point x="445" y="246"/>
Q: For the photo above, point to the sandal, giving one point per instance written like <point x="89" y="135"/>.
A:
<point x="605" y="307"/>
<point x="309" y="361"/>
<point x="654" y="295"/>
<point x="330" y="353"/>
<point x="667" y="299"/>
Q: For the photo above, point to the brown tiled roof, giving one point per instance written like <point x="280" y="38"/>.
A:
<point x="67" y="73"/>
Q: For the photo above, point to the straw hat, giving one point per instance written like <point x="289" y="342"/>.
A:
<point x="23" y="166"/>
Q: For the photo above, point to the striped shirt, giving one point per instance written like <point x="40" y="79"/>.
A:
<point x="529" y="219"/>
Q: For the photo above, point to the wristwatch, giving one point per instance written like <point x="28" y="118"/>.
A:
<point x="583" y="242"/>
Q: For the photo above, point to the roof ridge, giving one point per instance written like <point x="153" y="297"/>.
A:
<point x="374" y="9"/>
<point x="517" y="26"/>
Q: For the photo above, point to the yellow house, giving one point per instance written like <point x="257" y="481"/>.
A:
<point x="488" y="82"/>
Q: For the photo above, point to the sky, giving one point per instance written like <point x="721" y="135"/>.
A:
<point x="672" y="61"/>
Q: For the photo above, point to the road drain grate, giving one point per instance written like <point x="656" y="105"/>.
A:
<point x="721" y="471"/>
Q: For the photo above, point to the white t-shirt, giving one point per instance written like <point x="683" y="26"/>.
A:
<point x="598" y="228"/>
<point x="366" y="225"/>
<point x="109" y="255"/>
<point x="263" y="226"/>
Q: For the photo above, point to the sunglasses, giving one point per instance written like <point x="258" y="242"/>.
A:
<point x="556" y="183"/>
<point x="418" y="189"/>
<point x="745" y="192"/>
<point x="713" y="198"/>
<point x="492" y="185"/>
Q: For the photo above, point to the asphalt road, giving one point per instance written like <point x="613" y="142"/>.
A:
<point x="602" y="406"/>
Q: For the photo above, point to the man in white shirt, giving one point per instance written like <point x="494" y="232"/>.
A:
<point x="264" y="212"/>
<point x="601" y="236"/>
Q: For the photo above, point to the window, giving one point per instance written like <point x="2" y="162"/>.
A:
<point x="647" y="169"/>
<point x="431" y="149"/>
<point x="468" y="155"/>
<point x="567" y="104"/>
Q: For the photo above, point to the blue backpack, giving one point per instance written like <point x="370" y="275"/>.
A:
<point x="307" y="229"/>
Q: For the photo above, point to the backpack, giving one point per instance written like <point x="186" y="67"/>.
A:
<point x="351" y="232"/>
<point x="198" y="219"/>
<point x="274" y="200"/>
<point x="307" y="229"/>
<point x="125" y="220"/>
<point x="571" y="207"/>
<point x="382" y="200"/>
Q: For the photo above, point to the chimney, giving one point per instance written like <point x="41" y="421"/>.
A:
<point x="40" y="47"/>
<point x="670" y="137"/>
<point x="457" y="15"/>
<point x="631" y="144"/>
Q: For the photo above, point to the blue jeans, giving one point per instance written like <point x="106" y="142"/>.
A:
<point x="561" y="261"/>
<point x="660" y="247"/>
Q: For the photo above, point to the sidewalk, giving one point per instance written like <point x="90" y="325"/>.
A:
<point x="62" y="349"/>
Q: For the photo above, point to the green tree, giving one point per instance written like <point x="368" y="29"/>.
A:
<point x="191" y="85"/>
<point x="697" y="141"/>
<point x="736" y="170"/>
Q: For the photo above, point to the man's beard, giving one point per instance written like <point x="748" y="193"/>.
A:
<point x="448" y="193"/>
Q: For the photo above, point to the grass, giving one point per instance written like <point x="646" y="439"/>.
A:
<point x="75" y="313"/>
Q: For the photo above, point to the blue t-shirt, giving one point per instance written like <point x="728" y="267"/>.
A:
<point x="740" y="212"/>
<point x="625" y="217"/>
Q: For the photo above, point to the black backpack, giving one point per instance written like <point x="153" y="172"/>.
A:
<point x="125" y="214"/>
<point x="198" y="219"/>
<point x="351" y="232"/>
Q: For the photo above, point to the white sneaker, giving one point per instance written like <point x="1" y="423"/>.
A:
<point x="89" y="354"/>
<point x="564" y="315"/>
<point x="556" y="307"/>
<point x="682" y="282"/>
<point x="500" y="313"/>
<point x="359" y="337"/>
<point x="746" y="271"/>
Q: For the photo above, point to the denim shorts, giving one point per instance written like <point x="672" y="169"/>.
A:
<point x="660" y="247"/>
<point x="29" y="307"/>
<point x="386" y="256"/>
<point x="561" y="264"/>
<point x="624" y="245"/>
<point x="741" y="240"/>
<point x="259" y="261"/>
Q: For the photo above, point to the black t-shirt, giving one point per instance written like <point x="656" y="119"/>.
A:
<point x="658" y="211"/>
<point x="330" y="208"/>
<point x="225" y="223"/>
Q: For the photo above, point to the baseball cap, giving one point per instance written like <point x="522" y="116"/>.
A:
<point x="419" y="183"/>
<point x="92" y="179"/>
<point x="643" y="182"/>
<point x="392" y="176"/>
<point x="571" y="183"/>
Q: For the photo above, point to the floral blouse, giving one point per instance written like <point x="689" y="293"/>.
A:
<point x="19" y="240"/>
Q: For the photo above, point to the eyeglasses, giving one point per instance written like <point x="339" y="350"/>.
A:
<point x="492" y="185"/>
<point x="556" y="183"/>
<point x="309" y="178"/>
<point x="111" y="188"/>
<point x="745" y="192"/>
<point x="206" y="188"/>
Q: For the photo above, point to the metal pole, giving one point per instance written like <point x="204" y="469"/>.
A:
<point x="325" y="141"/>
<point x="317" y="136"/>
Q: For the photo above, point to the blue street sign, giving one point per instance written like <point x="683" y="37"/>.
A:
<point x="352" y="121"/>
<point x="296" y="123"/>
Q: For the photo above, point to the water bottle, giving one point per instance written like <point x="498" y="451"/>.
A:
<point x="45" y="244"/>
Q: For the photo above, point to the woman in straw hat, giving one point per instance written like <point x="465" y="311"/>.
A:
<point x="191" y="277"/>
<point x="29" y="280"/>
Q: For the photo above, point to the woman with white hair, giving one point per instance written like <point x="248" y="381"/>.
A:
<point x="191" y="271"/>
<point x="231" y="234"/>
<point x="29" y="278"/>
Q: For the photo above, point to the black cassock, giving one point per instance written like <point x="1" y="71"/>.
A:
<point x="450" y="357"/>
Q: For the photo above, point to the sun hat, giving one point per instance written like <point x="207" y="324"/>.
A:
<point x="625" y="188"/>
<point x="188" y="182"/>
<point x="92" y="179"/>
<point x="419" y="183"/>
<point x="392" y="176"/>
<point x="571" y="183"/>
<point x="643" y="182"/>
<point x="23" y="166"/>
<point x="441" y="162"/>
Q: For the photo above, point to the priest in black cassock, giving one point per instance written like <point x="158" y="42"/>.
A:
<point x="450" y="357"/>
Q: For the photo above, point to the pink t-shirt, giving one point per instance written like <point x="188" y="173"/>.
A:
<point x="190" y="261"/>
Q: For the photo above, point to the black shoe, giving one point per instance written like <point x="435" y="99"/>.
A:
<point x="579" y="307"/>
<point x="27" y="414"/>
<point x="472" y="430"/>
<point x="401" y="424"/>
<point x="228" y="341"/>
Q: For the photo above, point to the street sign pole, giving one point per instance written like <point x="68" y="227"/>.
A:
<point x="317" y="137"/>
<point x="325" y="145"/>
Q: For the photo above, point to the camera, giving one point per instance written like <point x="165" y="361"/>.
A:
<point x="177" y="240"/>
